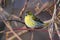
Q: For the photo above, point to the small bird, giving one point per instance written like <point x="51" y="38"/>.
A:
<point x="32" y="21"/>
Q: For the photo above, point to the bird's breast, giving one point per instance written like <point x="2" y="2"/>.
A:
<point x="30" y="22"/>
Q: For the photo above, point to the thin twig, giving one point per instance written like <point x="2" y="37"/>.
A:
<point x="20" y="33"/>
<point x="12" y="20"/>
<point x="43" y="7"/>
<point x="50" y="30"/>
<point x="25" y="5"/>
<point x="3" y="11"/>
<point x="52" y="5"/>
<point x="56" y="27"/>
<point x="2" y="31"/>
<point x="54" y="16"/>
<point x="41" y="2"/>
<point x="16" y="24"/>
<point x="54" y="13"/>
<point x="14" y="16"/>
<point x="48" y="8"/>
<point x="9" y="27"/>
<point x="58" y="20"/>
<point x="32" y="36"/>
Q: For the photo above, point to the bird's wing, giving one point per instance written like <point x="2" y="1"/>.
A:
<point x="37" y="19"/>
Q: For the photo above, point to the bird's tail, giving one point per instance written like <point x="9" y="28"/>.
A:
<point x="46" y="24"/>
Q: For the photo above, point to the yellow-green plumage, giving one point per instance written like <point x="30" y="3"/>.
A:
<point x="31" y="21"/>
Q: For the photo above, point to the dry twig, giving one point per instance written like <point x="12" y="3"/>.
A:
<point x="19" y="33"/>
<point x="57" y="30"/>
<point x="2" y="31"/>
<point x="9" y="27"/>
<point x="50" y="30"/>
<point x="23" y="9"/>
<point x="43" y="7"/>
<point x="32" y="36"/>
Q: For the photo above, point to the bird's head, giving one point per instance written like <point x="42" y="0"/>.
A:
<point x="29" y="13"/>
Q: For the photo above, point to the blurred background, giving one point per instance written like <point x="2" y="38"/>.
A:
<point x="11" y="9"/>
